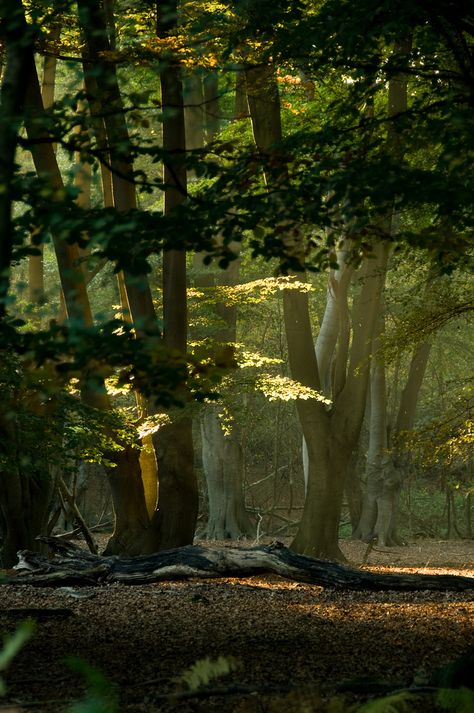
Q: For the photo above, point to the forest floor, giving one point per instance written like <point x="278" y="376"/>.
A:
<point x="292" y="645"/>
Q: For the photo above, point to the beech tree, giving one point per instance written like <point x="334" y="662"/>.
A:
<point x="221" y="448"/>
<point x="326" y="189"/>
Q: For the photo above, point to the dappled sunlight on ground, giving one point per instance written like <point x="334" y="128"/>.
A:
<point x="285" y="635"/>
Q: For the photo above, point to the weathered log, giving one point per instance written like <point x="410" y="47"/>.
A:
<point x="71" y="565"/>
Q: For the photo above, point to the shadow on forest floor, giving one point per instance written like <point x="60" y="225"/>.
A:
<point x="292" y="644"/>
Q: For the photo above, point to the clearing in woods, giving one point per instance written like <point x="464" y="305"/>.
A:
<point x="291" y="645"/>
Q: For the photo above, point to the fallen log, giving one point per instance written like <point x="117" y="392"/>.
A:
<point x="73" y="566"/>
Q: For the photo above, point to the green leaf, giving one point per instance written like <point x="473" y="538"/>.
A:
<point x="13" y="643"/>
<point x="457" y="700"/>
<point x="205" y="670"/>
<point x="400" y="702"/>
<point x="101" y="696"/>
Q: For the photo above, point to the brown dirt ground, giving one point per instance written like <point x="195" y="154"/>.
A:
<point x="293" y="643"/>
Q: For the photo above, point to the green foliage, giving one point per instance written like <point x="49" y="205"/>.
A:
<point x="101" y="696"/>
<point x="38" y="409"/>
<point x="12" y="644"/>
<point x="282" y="387"/>
<point x="422" y="303"/>
<point x="401" y="702"/>
<point x="331" y="177"/>
<point x="456" y="700"/>
<point x="252" y="292"/>
<point x="447" y="439"/>
<point x="203" y="671"/>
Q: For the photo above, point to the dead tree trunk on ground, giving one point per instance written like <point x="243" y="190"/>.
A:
<point x="74" y="566"/>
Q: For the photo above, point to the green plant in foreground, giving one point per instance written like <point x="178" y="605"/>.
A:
<point x="400" y="702"/>
<point x="203" y="671"/>
<point x="101" y="696"/>
<point x="12" y="645"/>
<point x="458" y="700"/>
<point x="453" y="700"/>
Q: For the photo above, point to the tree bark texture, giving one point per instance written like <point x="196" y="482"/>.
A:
<point x="318" y="531"/>
<point x="222" y="461"/>
<point x="105" y="101"/>
<point x="222" y="454"/>
<point x="71" y="276"/>
<point x="174" y="522"/>
<point x="378" y="518"/>
<point x="36" y="290"/>
<point x="330" y="436"/>
<point x="211" y="105"/>
<point x="411" y="390"/>
<point x="26" y="490"/>
<point x="332" y="343"/>
<point x="194" y="115"/>
<point x="380" y="506"/>
<point x="241" y="107"/>
<point x="131" y="516"/>
<point x="73" y="566"/>
<point x="14" y="80"/>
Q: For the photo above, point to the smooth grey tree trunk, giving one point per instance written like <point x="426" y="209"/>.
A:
<point x="222" y="454"/>
<point x="194" y="113"/>
<point x="379" y="512"/>
<point x="330" y="435"/>
<point x="222" y="460"/>
<point x="378" y="518"/>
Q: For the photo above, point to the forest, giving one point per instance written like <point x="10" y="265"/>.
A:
<point x="236" y="319"/>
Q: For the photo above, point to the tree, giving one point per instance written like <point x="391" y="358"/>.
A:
<point x="318" y="192"/>
<point x="330" y="435"/>
<point x="221" y="448"/>
<point x="178" y="494"/>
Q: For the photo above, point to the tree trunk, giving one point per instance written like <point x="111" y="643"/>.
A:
<point x="26" y="487"/>
<point x="105" y="101"/>
<point x="383" y="485"/>
<point x="177" y="507"/>
<point x="211" y="105"/>
<point x="25" y="490"/>
<point x="222" y="453"/>
<point x="71" y="276"/>
<point x="74" y="566"/>
<point x="411" y="391"/>
<point x="194" y="115"/>
<point x="77" y="302"/>
<point x="353" y="490"/>
<point x="175" y="519"/>
<point x="14" y="81"/>
<point x="318" y="531"/>
<point x="148" y="464"/>
<point x="36" y="292"/>
<point x="331" y="436"/>
<point x="128" y="497"/>
<point x="25" y="503"/>
<point x="133" y="532"/>
<point x="332" y="343"/>
<point x="223" y="467"/>
<point x="379" y="512"/>
<point x="241" y="107"/>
